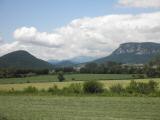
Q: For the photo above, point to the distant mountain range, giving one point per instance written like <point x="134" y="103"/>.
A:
<point x="127" y="53"/>
<point x="65" y="63"/>
<point x="23" y="60"/>
<point x="71" y="62"/>
<point x="133" y="53"/>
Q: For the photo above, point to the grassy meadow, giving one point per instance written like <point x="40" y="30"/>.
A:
<point x="79" y="108"/>
<point x="87" y="107"/>
<point x="69" y="77"/>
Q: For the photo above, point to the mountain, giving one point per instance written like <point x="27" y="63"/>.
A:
<point x="65" y="63"/>
<point x="62" y="63"/>
<point x="133" y="53"/>
<point x="83" y="59"/>
<point x="71" y="62"/>
<point x="23" y="60"/>
<point x="54" y="62"/>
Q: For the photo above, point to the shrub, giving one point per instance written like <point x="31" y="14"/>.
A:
<point x="53" y="89"/>
<point x="73" y="79"/>
<point x="132" y="87"/>
<point x="117" y="88"/>
<point x="153" y="86"/>
<point x="93" y="87"/>
<point x="42" y="90"/>
<point x="28" y="81"/>
<point x="12" y="90"/>
<point x="74" y="88"/>
<point x="142" y="88"/>
<point x="30" y="89"/>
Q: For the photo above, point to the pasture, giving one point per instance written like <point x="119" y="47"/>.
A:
<point x="79" y="108"/>
<point x="68" y="77"/>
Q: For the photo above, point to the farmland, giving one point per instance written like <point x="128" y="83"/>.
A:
<point x="87" y="107"/>
<point x="79" y="108"/>
<point x="83" y="107"/>
<point x="69" y="77"/>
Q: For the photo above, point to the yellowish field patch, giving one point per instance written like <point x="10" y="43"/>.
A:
<point x="107" y="84"/>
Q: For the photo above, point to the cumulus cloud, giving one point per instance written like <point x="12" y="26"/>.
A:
<point x="97" y="36"/>
<point x="140" y="3"/>
<point x="32" y="36"/>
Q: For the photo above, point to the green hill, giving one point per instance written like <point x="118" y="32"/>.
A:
<point x="23" y="60"/>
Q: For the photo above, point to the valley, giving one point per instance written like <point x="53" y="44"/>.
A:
<point x="79" y="59"/>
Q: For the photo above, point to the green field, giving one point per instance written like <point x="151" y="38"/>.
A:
<point x="79" y="108"/>
<point x="69" y="77"/>
<point x="52" y="107"/>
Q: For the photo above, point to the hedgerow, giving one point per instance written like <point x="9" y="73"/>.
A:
<point x="97" y="88"/>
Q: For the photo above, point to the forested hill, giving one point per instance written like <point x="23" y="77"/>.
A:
<point x="23" y="60"/>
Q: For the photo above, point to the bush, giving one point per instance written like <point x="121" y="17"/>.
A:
<point x="153" y="86"/>
<point x="73" y="79"/>
<point x="117" y="89"/>
<point x="53" y="89"/>
<point x="132" y="87"/>
<point x="30" y="89"/>
<point x="93" y="87"/>
<point x="74" y="88"/>
<point x="28" y="81"/>
<point x="142" y="88"/>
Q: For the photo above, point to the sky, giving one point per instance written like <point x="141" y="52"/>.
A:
<point x="64" y="29"/>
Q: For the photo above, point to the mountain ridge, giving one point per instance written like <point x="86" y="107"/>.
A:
<point x="132" y="53"/>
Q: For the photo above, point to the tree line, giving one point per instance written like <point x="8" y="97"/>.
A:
<point x="151" y="69"/>
<point x="111" y="68"/>
<point x="12" y="72"/>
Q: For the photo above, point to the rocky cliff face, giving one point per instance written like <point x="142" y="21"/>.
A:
<point x="133" y="53"/>
<point x="145" y="48"/>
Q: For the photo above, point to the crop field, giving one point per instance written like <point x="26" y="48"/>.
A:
<point x="69" y="77"/>
<point x="79" y="108"/>
<point x="46" y="85"/>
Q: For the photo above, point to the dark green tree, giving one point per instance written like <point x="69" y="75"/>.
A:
<point x="60" y="76"/>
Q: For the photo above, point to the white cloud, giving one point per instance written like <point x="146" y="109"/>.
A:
<point x="140" y="3"/>
<point x="97" y="36"/>
<point x="32" y="36"/>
